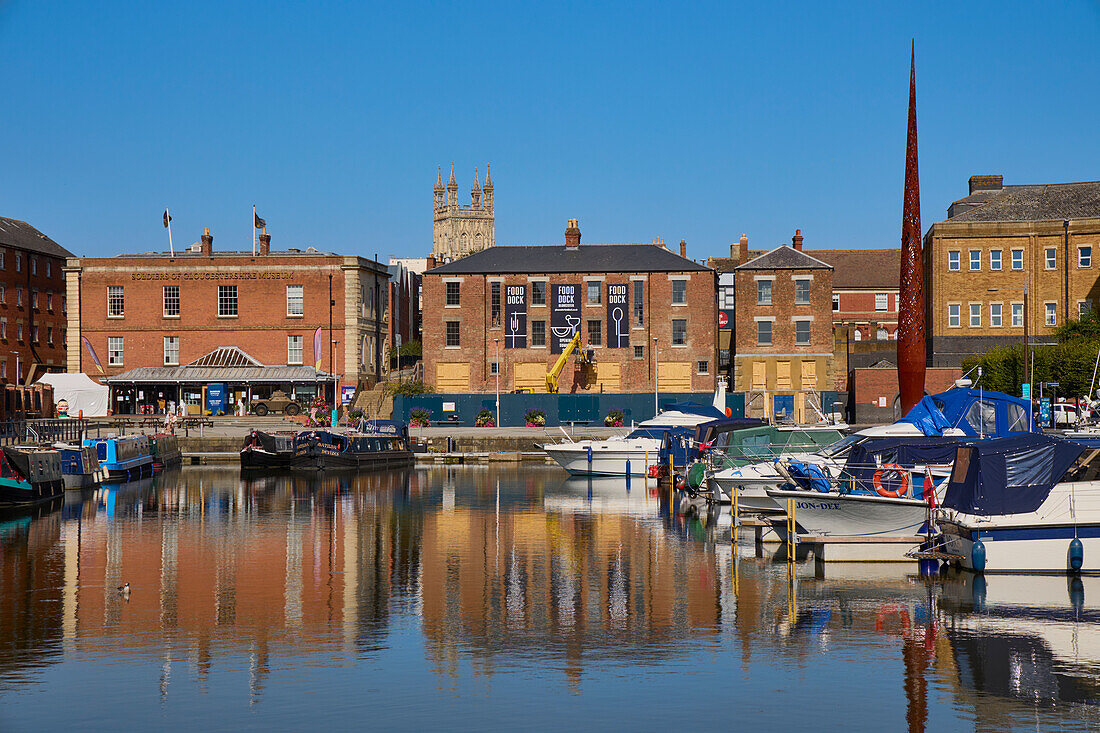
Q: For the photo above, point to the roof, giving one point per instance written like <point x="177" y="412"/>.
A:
<point x="1043" y="202"/>
<point x="586" y="258"/>
<point x="223" y="364"/>
<point x="20" y="234"/>
<point x="863" y="268"/>
<point x="785" y="257"/>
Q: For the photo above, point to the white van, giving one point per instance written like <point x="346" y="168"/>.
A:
<point x="1065" y="415"/>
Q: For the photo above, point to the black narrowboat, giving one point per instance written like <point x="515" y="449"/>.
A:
<point x="268" y="450"/>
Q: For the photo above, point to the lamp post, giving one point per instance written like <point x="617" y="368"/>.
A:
<point x="655" y="409"/>
<point x="1027" y="346"/>
<point x="496" y="351"/>
<point x="335" y="380"/>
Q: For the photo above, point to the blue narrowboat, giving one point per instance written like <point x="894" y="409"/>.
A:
<point x="79" y="465"/>
<point x="29" y="475"/>
<point x="123" y="458"/>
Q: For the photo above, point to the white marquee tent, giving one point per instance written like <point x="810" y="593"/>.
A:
<point x="80" y="391"/>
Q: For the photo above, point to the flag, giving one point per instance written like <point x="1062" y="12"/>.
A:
<point x="91" y="353"/>
<point x="166" y="218"/>
<point x="317" y="349"/>
<point x="929" y="490"/>
<point x="260" y="223"/>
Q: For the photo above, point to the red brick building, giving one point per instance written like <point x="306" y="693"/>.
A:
<point x="513" y="308"/>
<point x="146" y="317"/>
<point x="32" y="303"/>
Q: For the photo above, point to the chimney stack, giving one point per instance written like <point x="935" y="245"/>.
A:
<point x="683" y="248"/>
<point x="739" y="248"/>
<point x="431" y="262"/>
<point x="207" y="243"/>
<point x="265" y="243"/>
<point x="796" y="240"/>
<point x="986" y="183"/>
<point x="572" y="235"/>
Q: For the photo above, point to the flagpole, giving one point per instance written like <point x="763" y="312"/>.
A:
<point x="253" y="230"/>
<point x="170" y="247"/>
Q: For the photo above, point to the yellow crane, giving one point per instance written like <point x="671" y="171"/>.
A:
<point x="585" y="358"/>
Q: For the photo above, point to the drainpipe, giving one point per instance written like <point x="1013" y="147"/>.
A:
<point x="1065" y="245"/>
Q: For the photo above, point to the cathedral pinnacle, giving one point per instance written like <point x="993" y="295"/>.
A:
<point x="477" y="183"/>
<point x="452" y="183"/>
<point x="439" y="180"/>
<point x="488" y="180"/>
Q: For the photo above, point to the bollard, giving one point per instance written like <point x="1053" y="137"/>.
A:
<point x="645" y="476"/>
<point x="671" y="483"/>
<point x="628" y="474"/>
<point x="588" y="450"/>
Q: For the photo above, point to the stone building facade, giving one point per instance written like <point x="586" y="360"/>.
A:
<point x="462" y="230"/>
<point x="511" y="308"/>
<point x="995" y="240"/>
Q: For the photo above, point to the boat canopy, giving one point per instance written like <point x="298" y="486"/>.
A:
<point x="977" y="412"/>
<point x="718" y="429"/>
<point x="394" y="428"/>
<point x="766" y="442"/>
<point x="1012" y="475"/>
<point x="867" y="456"/>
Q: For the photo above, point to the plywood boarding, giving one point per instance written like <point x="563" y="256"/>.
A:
<point x="452" y="376"/>
<point x="809" y="375"/>
<point x="759" y="375"/>
<point x="529" y="375"/>
<point x="608" y="376"/>
<point x="674" y="376"/>
<point x="783" y="375"/>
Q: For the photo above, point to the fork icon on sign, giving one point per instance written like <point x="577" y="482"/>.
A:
<point x="513" y="329"/>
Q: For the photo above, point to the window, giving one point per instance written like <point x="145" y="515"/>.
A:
<point x="48" y="269"/>
<point x="1050" y="255"/>
<point x="114" y="351"/>
<point x="453" y="293"/>
<point x="953" y="261"/>
<point x="728" y="297"/>
<point x="19" y="331"/>
<point x="975" y="315"/>
<point x="19" y="297"/>
<point x="4" y="330"/>
<point x="679" y="331"/>
<point x="595" y="334"/>
<point x="172" y="350"/>
<point x="34" y="265"/>
<point x="836" y="301"/>
<point x="34" y="333"/>
<point x="882" y="334"/>
<point x="639" y="312"/>
<point x="49" y="302"/>
<point x="764" y="333"/>
<point x="882" y="301"/>
<point x="1051" y="314"/>
<point x="702" y="367"/>
<point x="802" y="333"/>
<point x="679" y="292"/>
<point x="227" y="300"/>
<point x="3" y="294"/>
<point x="49" y="335"/>
<point x="975" y="259"/>
<point x="18" y="262"/>
<point x="538" y="292"/>
<point x="857" y="335"/>
<point x="494" y="368"/>
<point x="294" y="349"/>
<point x="34" y="299"/>
<point x="452" y="333"/>
<point x="763" y="292"/>
<point x="983" y="415"/>
<point x="1017" y="259"/>
<point x="1084" y="256"/>
<point x="116" y="301"/>
<point x="995" y="315"/>
<point x="171" y="301"/>
<point x="295" y="300"/>
<point x="953" y="315"/>
<point x="639" y="352"/>
<point x="801" y="292"/>
<point x="2" y="263"/>
<point x="538" y="333"/>
<point x="494" y="305"/>
<point x="994" y="259"/>
<point x="592" y="288"/>
<point x="1017" y="315"/>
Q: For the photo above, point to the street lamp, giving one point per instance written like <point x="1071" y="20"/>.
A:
<point x="335" y="380"/>
<point x="496" y="351"/>
<point x="655" y="409"/>
<point x="1028" y="366"/>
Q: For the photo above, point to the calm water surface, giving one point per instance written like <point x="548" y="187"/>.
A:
<point x="475" y="598"/>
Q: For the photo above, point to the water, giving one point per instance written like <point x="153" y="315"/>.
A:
<point x="474" y="598"/>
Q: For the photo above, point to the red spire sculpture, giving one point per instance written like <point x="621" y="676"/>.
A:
<point x="911" y="345"/>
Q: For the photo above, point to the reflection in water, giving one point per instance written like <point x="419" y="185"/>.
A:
<point x="442" y="580"/>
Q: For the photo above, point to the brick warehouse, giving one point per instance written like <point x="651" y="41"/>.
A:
<point x="524" y="302"/>
<point x="32" y="303"/>
<point x="161" y="310"/>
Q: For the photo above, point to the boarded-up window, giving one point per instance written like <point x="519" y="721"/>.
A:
<point x="759" y="375"/>
<point x="674" y="376"/>
<point x="608" y="376"/>
<point x="452" y="376"/>
<point x="529" y="375"/>
<point x="783" y="375"/>
<point x="809" y="375"/>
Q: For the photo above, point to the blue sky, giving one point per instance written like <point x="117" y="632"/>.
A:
<point x="698" y="121"/>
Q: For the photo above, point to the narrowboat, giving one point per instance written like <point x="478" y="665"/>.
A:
<point x="376" y="444"/>
<point x="29" y="475"/>
<point x="267" y="450"/>
<point x="166" y="451"/>
<point x="123" y="457"/>
<point x="79" y="466"/>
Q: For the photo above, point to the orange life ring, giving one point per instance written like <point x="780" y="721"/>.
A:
<point x="892" y="610"/>
<point x="900" y="471"/>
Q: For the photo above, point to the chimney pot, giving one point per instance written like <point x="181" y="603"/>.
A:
<point x="207" y="243"/>
<point x="683" y="248"/>
<point x="572" y="235"/>
<point x="796" y="240"/>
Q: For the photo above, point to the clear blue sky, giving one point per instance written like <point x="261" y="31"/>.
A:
<point x="697" y="121"/>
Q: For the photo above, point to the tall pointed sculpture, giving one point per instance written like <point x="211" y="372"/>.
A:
<point x="911" y="345"/>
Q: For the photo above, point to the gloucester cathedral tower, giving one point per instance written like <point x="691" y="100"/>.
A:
<point x="462" y="230"/>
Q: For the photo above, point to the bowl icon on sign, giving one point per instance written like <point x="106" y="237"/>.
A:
<point x="563" y="331"/>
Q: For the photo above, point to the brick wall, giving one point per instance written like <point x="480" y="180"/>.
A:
<point x="869" y="387"/>
<point x="40" y="278"/>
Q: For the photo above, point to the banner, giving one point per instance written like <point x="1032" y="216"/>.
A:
<point x="317" y="349"/>
<point x="618" y="316"/>
<point x="91" y="353"/>
<point x="565" y="315"/>
<point x="515" y="317"/>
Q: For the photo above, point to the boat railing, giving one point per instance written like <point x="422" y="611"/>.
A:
<point x="42" y="431"/>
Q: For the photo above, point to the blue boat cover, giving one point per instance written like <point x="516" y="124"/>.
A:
<point x="866" y="456"/>
<point x="694" y="408"/>
<point x="1011" y="475"/>
<point x="978" y="413"/>
<point x="926" y="416"/>
<point x="808" y="476"/>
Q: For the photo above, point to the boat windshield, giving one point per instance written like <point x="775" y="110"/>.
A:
<point x="655" y="433"/>
<point x="841" y="447"/>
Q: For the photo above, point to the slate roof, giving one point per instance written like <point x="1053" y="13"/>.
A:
<point x="513" y="258"/>
<point x="223" y="364"/>
<point x="1045" y="202"/>
<point x="20" y="234"/>
<point x="863" y="268"/>
<point x="785" y="257"/>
